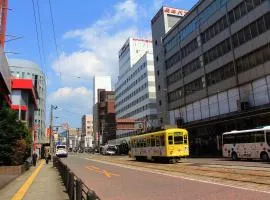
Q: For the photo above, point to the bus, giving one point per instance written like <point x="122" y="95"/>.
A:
<point x="247" y="144"/>
<point x="166" y="145"/>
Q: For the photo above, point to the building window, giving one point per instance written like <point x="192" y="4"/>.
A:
<point x="193" y="86"/>
<point x="253" y="59"/>
<point x="235" y="14"/>
<point x="156" y="42"/>
<point x="158" y="72"/>
<point x="160" y="102"/>
<point x="157" y="58"/>
<point x="174" y="77"/>
<point x="175" y="95"/>
<point x="249" y="4"/>
<point x="190" y="47"/>
<point x="217" y="51"/>
<point x="172" y="60"/>
<point x="220" y="74"/>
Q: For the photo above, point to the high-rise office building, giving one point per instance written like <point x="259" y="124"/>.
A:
<point x="99" y="82"/>
<point x="135" y="89"/>
<point x="213" y="65"/>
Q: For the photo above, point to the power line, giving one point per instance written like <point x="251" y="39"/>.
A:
<point x="37" y="35"/>
<point x="77" y="77"/>
<point x="54" y="36"/>
<point x="72" y="112"/>
<point x="42" y="42"/>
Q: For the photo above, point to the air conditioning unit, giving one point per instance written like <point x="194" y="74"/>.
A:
<point x="242" y="105"/>
<point x="179" y="122"/>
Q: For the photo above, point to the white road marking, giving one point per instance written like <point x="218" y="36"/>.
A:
<point x="154" y="171"/>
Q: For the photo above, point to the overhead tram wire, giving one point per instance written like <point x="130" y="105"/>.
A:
<point x="55" y="42"/>
<point x="37" y="35"/>
<point x="77" y="77"/>
<point x="72" y="112"/>
<point x="42" y="41"/>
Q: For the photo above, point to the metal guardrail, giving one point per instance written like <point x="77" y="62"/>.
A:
<point x="76" y="189"/>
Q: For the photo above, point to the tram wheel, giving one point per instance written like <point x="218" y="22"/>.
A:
<point x="172" y="160"/>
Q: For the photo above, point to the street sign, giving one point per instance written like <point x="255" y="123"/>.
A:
<point x="65" y="126"/>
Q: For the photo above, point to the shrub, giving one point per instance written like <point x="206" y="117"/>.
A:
<point x="15" y="138"/>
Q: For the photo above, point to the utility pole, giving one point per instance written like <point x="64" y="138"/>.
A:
<point x="51" y="126"/>
<point x="67" y="136"/>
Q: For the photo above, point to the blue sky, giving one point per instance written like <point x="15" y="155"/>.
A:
<point x="89" y="34"/>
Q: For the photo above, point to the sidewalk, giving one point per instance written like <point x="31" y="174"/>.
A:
<point x="46" y="184"/>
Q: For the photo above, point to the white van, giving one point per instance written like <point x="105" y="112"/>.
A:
<point x="61" y="151"/>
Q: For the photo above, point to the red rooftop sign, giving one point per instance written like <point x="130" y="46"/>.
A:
<point x="174" y="11"/>
<point x="169" y="11"/>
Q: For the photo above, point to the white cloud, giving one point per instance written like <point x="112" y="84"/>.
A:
<point x="97" y="54"/>
<point x="99" y="44"/>
<point x="77" y="100"/>
<point x="80" y="63"/>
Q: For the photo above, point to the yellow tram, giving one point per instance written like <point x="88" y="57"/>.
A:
<point x="169" y="145"/>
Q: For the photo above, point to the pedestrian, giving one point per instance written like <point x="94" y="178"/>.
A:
<point x="34" y="158"/>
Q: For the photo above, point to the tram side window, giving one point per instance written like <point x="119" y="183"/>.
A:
<point x="162" y="141"/>
<point x="157" y="141"/>
<point x="144" y="142"/>
<point x="170" y="139"/>
<point x="148" y="142"/>
<point x="153" y="142"/>
<point x="178" y="138"/>
<point x="140" y="143"/>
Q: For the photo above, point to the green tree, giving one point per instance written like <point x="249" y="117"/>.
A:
<point x="15" y="138"/>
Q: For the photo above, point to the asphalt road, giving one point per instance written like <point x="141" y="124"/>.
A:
<point x="114" y="182"/>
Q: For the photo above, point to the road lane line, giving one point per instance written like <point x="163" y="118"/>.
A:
<point x="107" y="174"/>
<point x="154" y="171"/>
<point x="89" y="168"/>
<point x="96" y="168"/>
<point x="24" y="188"/>
<point x="104" y="172"/>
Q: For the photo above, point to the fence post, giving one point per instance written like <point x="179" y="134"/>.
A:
<point x="67" y="179"/>
<point x="71" y="185"/>
<point x="74" y="186"/>
<point x="91" y="195"/>
<point x="78" y="189"/>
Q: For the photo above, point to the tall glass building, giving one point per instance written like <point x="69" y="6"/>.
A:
<point x="30" y="70"/>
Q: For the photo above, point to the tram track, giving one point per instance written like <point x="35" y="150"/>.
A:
<point x="259" y="177"/>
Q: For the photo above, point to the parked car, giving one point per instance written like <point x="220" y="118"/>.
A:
<point x="111" y="151"/>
